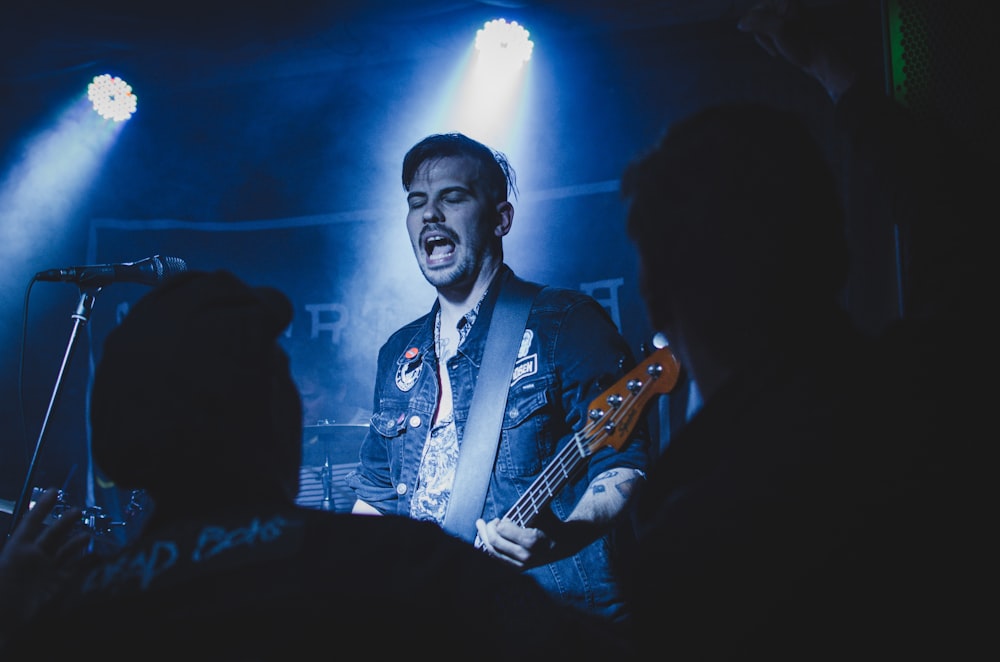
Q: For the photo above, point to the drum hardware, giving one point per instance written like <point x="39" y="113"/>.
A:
<point x="97" y="521"/>
<point x="138" y="502"/>
<point x="93" y="518"/>
<point x="328" y="451"/>
<point x="326" y="477"/>
<point x="333" y="443"/>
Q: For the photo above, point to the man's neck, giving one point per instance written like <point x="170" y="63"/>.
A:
<point x="457" y="302"/>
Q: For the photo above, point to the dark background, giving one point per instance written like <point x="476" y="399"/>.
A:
<point x="298" y="114"/>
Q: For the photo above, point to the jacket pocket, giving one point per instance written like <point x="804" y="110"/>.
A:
<point x="526" y="440"/>
<point x="390" y="422"/>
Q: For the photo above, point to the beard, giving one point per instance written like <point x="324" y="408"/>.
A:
<point x="462" y="272"/>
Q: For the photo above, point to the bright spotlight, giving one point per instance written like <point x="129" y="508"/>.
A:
<point x="504" y="42"/>
<point x="112" y="97"/>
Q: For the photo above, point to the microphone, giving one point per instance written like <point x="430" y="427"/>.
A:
<point x="149" y="271"/>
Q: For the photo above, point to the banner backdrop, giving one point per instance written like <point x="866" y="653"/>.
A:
<point x="352" y="279"/>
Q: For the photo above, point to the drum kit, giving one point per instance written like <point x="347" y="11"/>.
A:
<point x="329" y="452"/>
<point x="106" y="532"/>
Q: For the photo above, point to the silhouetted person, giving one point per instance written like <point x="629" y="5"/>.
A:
<point x="815" y="506"/>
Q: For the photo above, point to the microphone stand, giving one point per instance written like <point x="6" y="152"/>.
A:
<point x="80" y="316"/>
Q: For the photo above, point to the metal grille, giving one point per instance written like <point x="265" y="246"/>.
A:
<point x="940" y="64"/>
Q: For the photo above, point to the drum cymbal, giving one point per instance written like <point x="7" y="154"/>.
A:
<point x="336" y="443"/>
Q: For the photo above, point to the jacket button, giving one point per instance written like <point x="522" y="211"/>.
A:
<point x="401" y="488"/>
<point x="414" y="421"/>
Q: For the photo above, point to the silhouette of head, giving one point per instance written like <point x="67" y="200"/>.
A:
<point x="193" y="399"/>
<point x="737" y="220"/>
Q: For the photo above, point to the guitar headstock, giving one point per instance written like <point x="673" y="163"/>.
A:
<point x="619" y="409"/>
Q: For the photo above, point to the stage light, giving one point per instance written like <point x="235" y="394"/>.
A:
<point x="112" y="97"/>
<point x="504" y="42"/>
<point x="486" y="94"/>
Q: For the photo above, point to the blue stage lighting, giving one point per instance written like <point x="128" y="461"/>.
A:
<point x="112" y="97"/>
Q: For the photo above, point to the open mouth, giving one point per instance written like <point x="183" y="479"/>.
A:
<point x="438" y="247"/>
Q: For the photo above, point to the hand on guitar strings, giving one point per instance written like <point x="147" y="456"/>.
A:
<point x="527" y="547"/>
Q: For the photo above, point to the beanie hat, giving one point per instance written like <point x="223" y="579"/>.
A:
<point x="193" y="396"/>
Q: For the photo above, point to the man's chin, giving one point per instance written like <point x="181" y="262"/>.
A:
<point x="447" y="269"/>
<point x="439" y="276"/>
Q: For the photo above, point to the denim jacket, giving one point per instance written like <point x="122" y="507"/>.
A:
<point x="570" y="353"/>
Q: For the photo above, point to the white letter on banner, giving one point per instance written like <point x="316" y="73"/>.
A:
<point x="336" y="327"/>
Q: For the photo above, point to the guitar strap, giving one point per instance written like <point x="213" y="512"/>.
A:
<point x="489" y="400"/>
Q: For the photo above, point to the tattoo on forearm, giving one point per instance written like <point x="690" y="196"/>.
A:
<point x="598" y="486"/>
<point x="625" y="487"/>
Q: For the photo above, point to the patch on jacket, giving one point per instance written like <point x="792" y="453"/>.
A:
<point x="522" y="351"/>
<point x="407" y="372"/>
<point x="524" y="367"/>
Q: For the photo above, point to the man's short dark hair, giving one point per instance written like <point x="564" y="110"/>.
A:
<point x="498" y="174"/>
